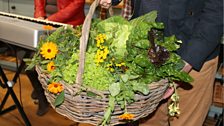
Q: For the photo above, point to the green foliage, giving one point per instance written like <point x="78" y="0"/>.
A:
<point x="59" y="99"/>
<point x="96" y="77"/>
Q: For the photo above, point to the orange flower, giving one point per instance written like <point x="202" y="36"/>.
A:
<point x="49" y="50"/>
<point x="55" y="88"/>
<point x="47" y="27"/>
<point x="50" y="66"/>
<point x="126" y="116"/>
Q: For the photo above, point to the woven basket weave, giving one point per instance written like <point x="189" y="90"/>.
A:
<point x="85" y="109"/>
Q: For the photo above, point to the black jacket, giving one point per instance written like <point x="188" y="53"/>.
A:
<point x="198" y="23"/>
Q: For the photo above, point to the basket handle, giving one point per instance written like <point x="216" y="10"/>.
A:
<point x="84" y="41"/>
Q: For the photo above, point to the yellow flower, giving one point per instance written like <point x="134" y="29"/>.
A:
<point x="111" y="70"/>
<point x="47" y="27"/>
<point x="126" y="116"/>
<point x="104" y="55"/>
<point x="100" y="38"/>
<point x="122" y="63"/>
<point x="102" y="47"/>
<point x="106" y="50"/>
<point x="99" y="59"/>
<point x="49" y="50"/>
<point x="109" y="65"/>
<point x="118" y="65"/>
<point x="55" y="88"/>
<point x="98" y="43"/>
<point x="104" y="36"/>
<point x="50" y="66"/>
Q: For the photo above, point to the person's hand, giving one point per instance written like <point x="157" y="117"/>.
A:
<point x="168" y="92"/>
<point x="187" y="68"/>
<point x="42" y="18"/>
<point x="105" y="3"/>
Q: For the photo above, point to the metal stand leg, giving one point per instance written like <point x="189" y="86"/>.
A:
<point x="9" y="85"/>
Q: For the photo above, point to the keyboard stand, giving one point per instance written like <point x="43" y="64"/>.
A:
<point x="9" y="86"/>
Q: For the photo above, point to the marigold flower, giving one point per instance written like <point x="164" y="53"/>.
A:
<point x="50" y="66"/>
<point x="47" y="27"/>
<point x="55" y="88"/>
<point x="126" y="116"/>
<point x="49" y="50"/>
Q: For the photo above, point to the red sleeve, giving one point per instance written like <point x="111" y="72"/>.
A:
<point x="69" y="11"/>
<point x="39" y="8"/>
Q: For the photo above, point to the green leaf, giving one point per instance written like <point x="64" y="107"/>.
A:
<point x="45" y="61"/>
<point x="142" y="60"/>
<point x="112" y="103"/>
<point x="106" y="116"/>
<point x="143" y="88"/>
<point x="27" y="60"/>
<point x="59" y="99"/>
<point x="124" y="77"/>
<point x="91" y="94"/>
<point x="133" y="77"/>
<point x="144" y="44"/>
<point x="149" y="18"/>
<point x="114" y="89"/>
<point x="30" y="66"/>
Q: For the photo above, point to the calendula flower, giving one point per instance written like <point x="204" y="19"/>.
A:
<point x="47" y="27"/>
<point x="49" y="50"/>
<point x="126" y="116"/>
<point x="50" y="66"/>
<point x="55" y="88"/>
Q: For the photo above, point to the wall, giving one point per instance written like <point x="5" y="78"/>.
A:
<point x="20" y="7"/>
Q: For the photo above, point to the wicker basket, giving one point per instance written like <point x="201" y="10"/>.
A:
<point x="85" y="109"/>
